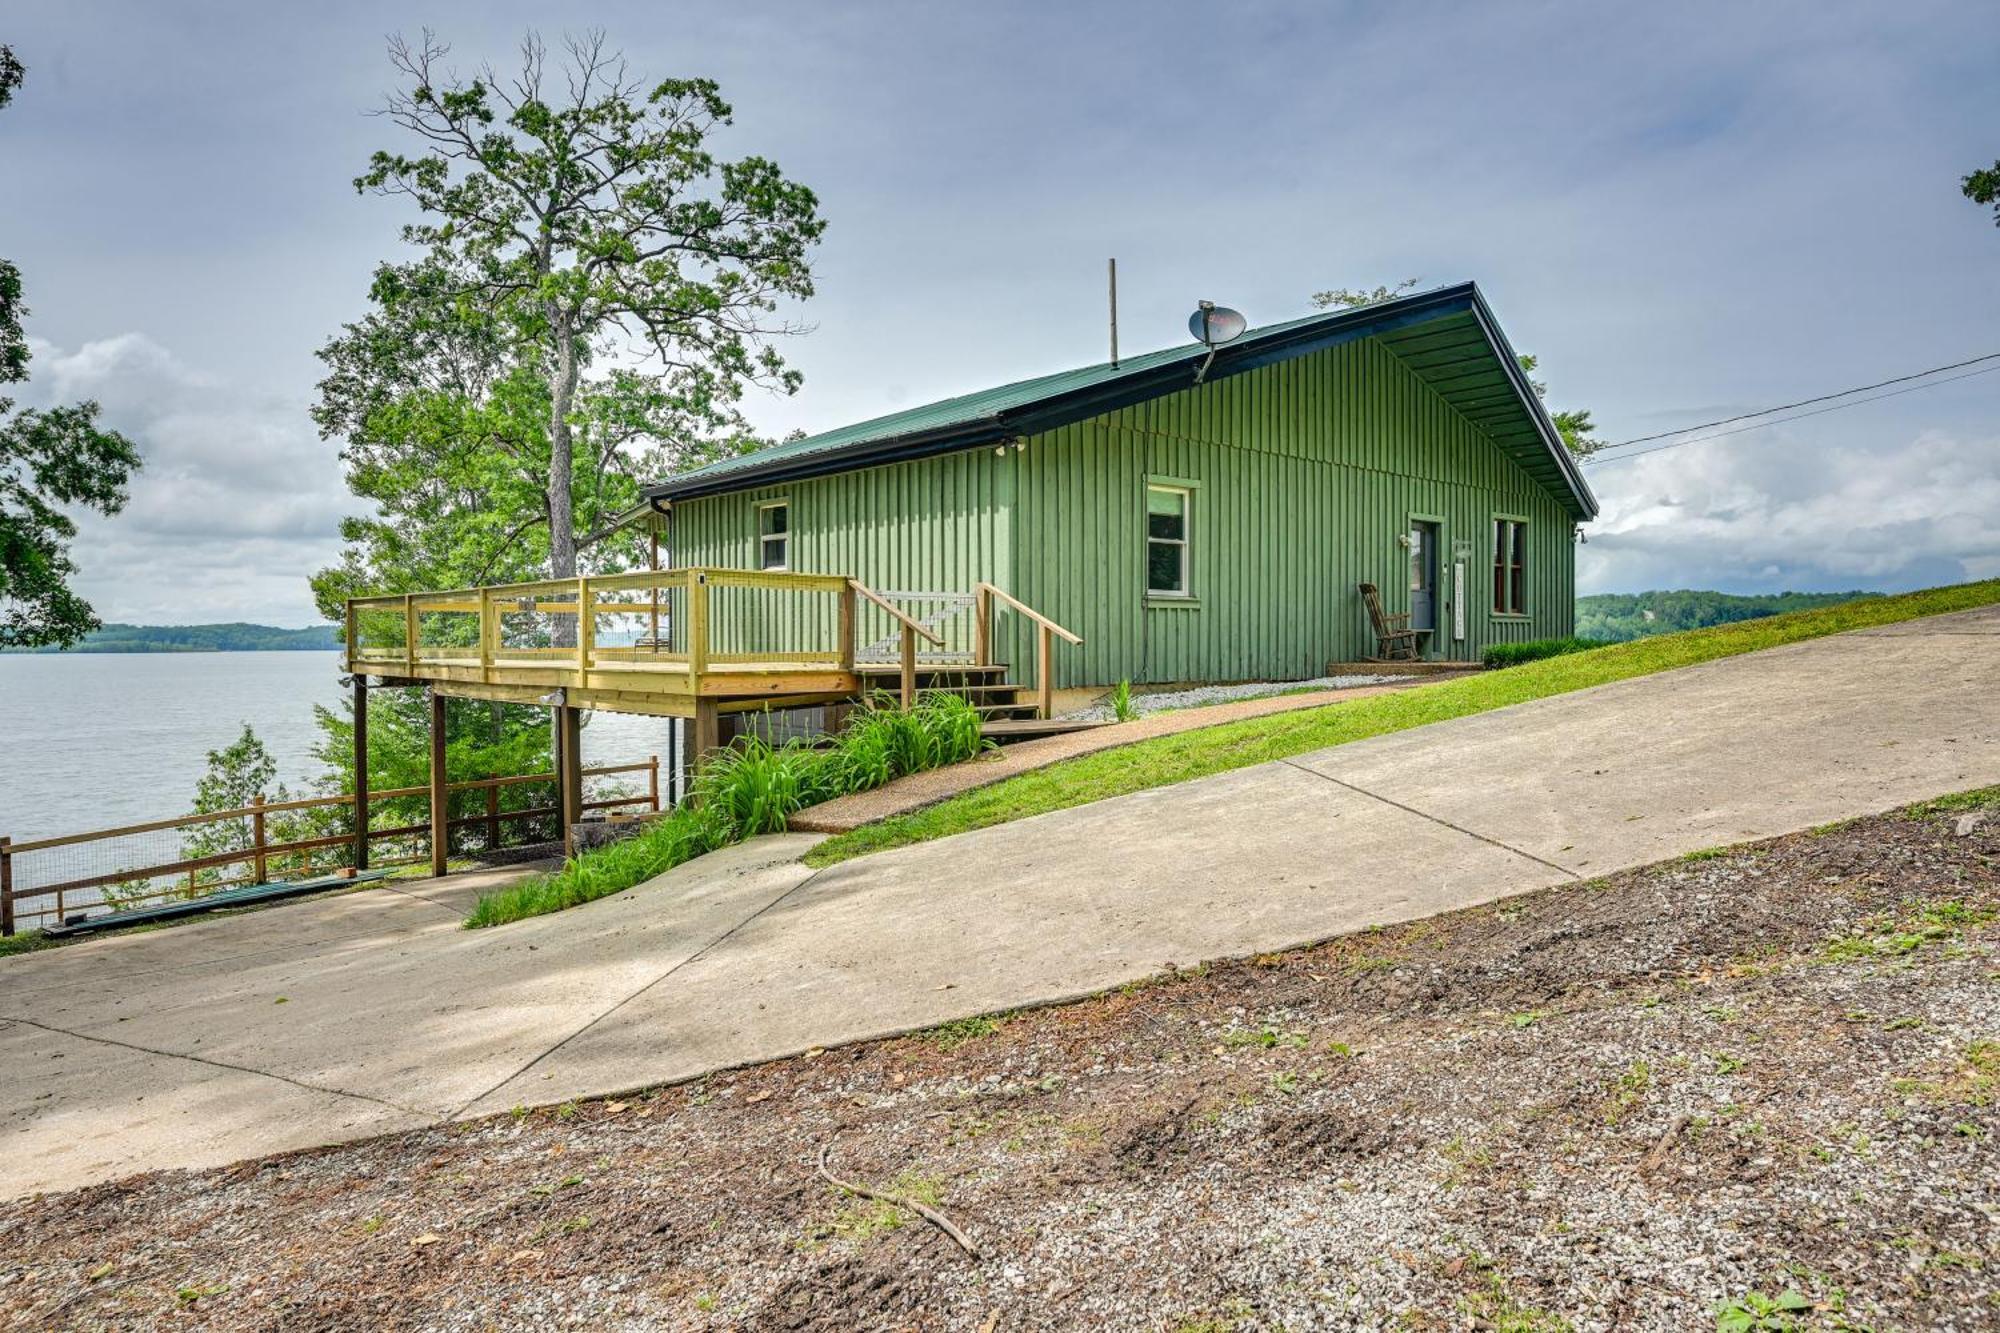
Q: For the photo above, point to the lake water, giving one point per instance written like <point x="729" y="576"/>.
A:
<point x="94" y="740"/>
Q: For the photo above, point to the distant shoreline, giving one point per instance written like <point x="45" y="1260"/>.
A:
<point x="228" y="638"/>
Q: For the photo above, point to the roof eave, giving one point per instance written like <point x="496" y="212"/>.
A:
<point x="1095" y="400"/>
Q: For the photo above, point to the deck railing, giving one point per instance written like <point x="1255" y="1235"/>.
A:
<point x="727" y="638"/>
<point x="37" y="883"/>
<point x="671" y="618"/>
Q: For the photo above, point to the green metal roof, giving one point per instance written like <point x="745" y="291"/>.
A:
<point x="1447" y="336"/>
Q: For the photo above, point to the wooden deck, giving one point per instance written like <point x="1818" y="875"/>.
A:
<point x="545" y="642"/>
<point x="692" y="643"/>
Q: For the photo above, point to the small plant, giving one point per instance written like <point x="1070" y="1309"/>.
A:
<point x="950" y="1036"/>
<point x="1628" y="1092"/>
<point x="1121" y="702"/>
<point x="1755" y="1311"/>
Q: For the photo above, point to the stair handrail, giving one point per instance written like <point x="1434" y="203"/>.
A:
<point x="894" y="610"/>
<point x="1045" y="674"/>
<point x="1028" y="611"/>
<point x="911" y="629"/>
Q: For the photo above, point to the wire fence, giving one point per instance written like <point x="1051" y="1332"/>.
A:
<point x="54" y="880"/>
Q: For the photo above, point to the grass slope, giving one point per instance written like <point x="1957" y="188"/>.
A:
<point x="1197" y="754"/>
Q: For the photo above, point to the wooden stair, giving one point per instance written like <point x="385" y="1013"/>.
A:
<point x="1006" y="709"/>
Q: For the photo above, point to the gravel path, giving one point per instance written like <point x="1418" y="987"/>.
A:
<point x="1762" y="1080"/>
<point x="1205" y="695"/>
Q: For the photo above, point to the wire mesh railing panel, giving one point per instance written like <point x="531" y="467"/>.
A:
<point x="948" y="615"/>
<point x="772" y="624"/>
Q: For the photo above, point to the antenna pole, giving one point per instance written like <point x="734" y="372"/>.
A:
<point x="1114" y="312"/>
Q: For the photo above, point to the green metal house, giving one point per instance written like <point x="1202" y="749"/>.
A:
<point x="1193" y="531"/>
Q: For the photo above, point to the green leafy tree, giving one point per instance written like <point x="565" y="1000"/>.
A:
<point x="594" y="292"/>
<point x="1983" y="187"/>
<point x="1574" y="425"/>
<point x="49" y="458"/>
<point x="235" y="776"/>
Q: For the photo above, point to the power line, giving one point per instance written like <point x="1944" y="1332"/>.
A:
<point x="1807" y="402"/>
<point x="1893" y="393"/>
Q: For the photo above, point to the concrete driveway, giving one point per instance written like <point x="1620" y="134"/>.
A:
<point x="373" y="1012"/>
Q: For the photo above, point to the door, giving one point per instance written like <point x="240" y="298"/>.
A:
<point x="1424" y="578"/>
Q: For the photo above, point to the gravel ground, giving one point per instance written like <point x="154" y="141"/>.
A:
<point x="1216" y="694"/>
<point x="1763" y="1078"/>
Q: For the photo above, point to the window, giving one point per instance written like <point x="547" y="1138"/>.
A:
<point x="1510" y="567"/>
<point x="1167" y="541"/>
<point x="774" y="535"/>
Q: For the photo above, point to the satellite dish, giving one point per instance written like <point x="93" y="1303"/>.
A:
<point x="1215" y="325"/>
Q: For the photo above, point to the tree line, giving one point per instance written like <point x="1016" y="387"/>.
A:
<point x="1616" y="617"/>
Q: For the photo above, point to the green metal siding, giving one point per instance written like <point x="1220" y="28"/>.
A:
<point x="1305" y="472"/>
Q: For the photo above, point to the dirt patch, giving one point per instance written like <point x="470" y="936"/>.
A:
<point x="1765" y="1077"/>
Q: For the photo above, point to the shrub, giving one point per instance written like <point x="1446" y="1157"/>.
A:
<point x="663" y="844"/>
<point x="751" y="788"/>
<point x="1121" y="702"/>
<point x="1534" y="650"/>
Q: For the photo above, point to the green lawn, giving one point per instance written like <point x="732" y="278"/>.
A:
<point x="1195" y="754"/>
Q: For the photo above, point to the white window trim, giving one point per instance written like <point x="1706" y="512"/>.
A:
<point x="784" y="539"/>
<point x="1185" y="541"/>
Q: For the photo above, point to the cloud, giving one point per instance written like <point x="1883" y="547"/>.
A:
<point x="1798" y="513"/>
<point x="237" y="502"/>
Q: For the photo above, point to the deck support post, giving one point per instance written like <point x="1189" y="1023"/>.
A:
<point x="569" y="773"/>
<point x="707" y="733"/>
<point x="909" y="668"/>
<point x="360" y="772"/>
<point x="440" y="793"/>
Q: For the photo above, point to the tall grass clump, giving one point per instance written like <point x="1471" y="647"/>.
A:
<point x="751" y="788"/>
<point x="1121" y="702"/>
<point x="1534" y="650"/>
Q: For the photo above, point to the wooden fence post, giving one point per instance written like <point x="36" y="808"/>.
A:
<point x="440" y="793"/>
<point x="361" y="772"/>
<point x="6" y="887"/>
<point x="489" y="634"/>
<point x="493" y="818"/>
<point x="847" y="616"/>
<point x="697" y="641"/>
<point x="409" y="635"/>
<point x="257" y="840"/>
<point x="653" y="782"/>
<point x="586" y="629"/>
<point x="1045" y="680"/>
<point x="982" y="626"/>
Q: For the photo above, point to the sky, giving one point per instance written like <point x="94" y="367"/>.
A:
<point x="1686" y="211"/>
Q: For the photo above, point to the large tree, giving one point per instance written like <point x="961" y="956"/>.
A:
<point x="49" y="458"/>
<point x="1574" y="424"/>
<point x="592" y="293"/>
<point x="1983" y="187"/>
